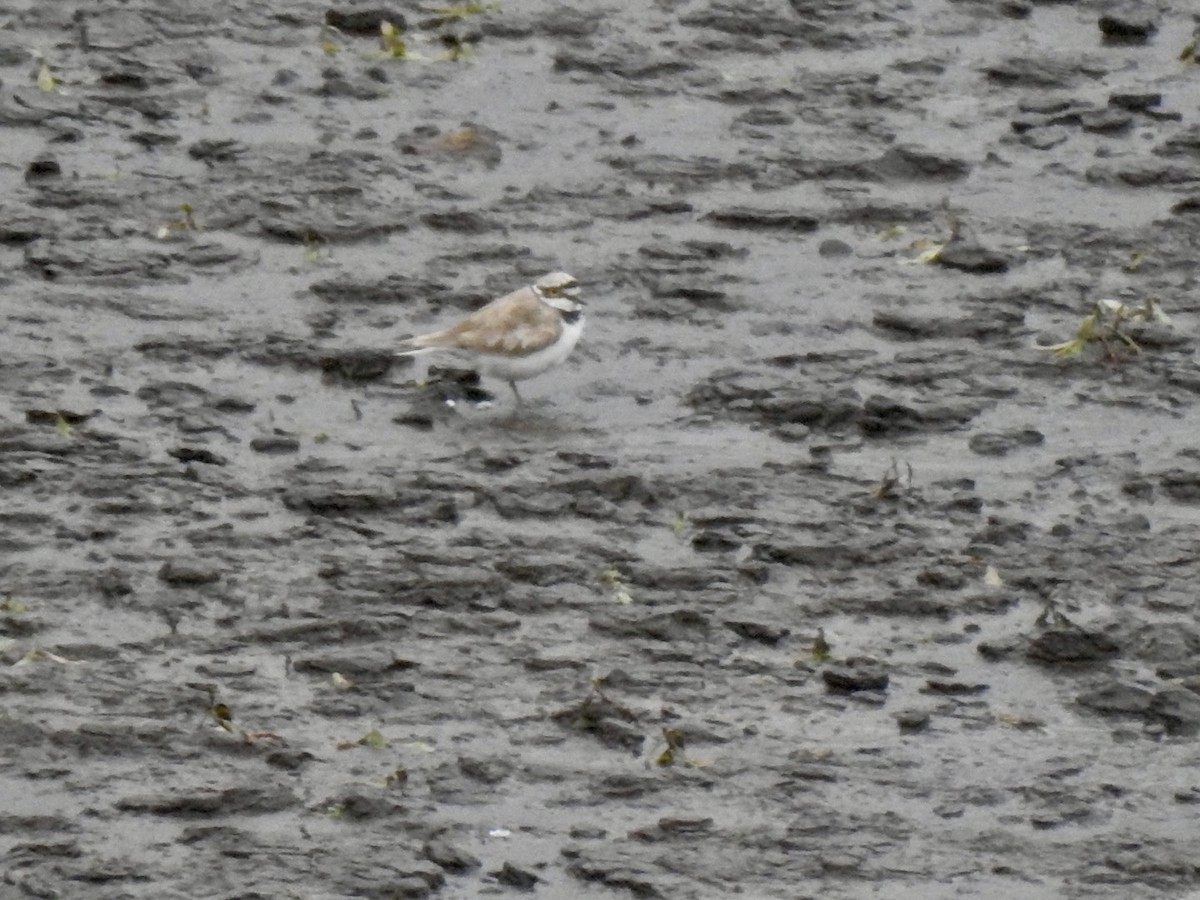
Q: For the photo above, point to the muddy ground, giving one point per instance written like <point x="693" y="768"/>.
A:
<point x="277" y="622"/>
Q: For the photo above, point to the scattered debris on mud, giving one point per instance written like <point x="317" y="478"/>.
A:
<point x="853" y="552"/>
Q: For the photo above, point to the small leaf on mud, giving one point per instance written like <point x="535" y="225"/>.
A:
<point x="223" y="715"/>
<point x="11" y="606"/>
<point x="391" y="41"/>
<point x="673" y="752"/>
<point x="1020" y="722"/>
<point x="679" y="524"/>
<point x="187" y="223"/>
<point x="991" y="577"/>
<point x="820" y="647"/>
<point x="929" y="255"/>
<point x="1105" y="324"/>
<point x="609" y="576"/>
<point x="62" y="426"/>
<point x="889" y="234"/>
<point x="420" y="746"/>
<point x="374" y="739"/>
<point x="340" y="681"/>
<point x="38" y="653"/>
<point x="457" y="49"/>
<point x="320" y="438"/>
<point x="1189" y="52"/>
<point x="892" y="481"/>
<point x="45" y="79"/>
<point x="1136" y="258"/>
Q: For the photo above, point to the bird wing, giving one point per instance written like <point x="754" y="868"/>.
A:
<point x="517" y="323"/>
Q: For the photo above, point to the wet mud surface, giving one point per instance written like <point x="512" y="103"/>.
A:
<point x="575" y="651"/>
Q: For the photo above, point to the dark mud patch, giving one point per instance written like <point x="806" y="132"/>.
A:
<point x="811" y="573"/>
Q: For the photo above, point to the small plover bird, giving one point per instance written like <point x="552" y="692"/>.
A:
<point x="516" y="336"/>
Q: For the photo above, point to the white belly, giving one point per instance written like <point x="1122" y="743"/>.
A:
<point x="518" y="368"/>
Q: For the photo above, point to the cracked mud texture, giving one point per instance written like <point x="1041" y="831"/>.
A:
<point x="458" y="652"/>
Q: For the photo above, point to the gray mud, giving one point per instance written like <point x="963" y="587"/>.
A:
<point x="572" y="651"/>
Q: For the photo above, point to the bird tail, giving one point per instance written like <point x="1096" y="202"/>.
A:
<point x="411" y="347"/>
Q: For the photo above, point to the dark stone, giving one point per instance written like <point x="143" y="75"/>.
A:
<point x="1003" y="443"/>
<point x="1127" y="26"/>
<point x="223" y="802"/>
<point x="1117" y="698"/>
<point x="213" y="150"/>
<point x="198" y="455"/>
<point x="676" y="625"/>
<point x="1033" y="72"/>
<point x="954" y="688"/>
<point x="858" y="673"/>
<point x="114" y="583"/>
<point x="668" y="829"/>
<point x="944" y="578"/>
<point x="289" y="759"/>
<point x="1185" y="143"/>
<point x="485" y="771"/>
<point x="461" y="221"/>
<point x="751" y="219"/>
<point x="1140" y="102"/>
<point x="363" y="21"/>
<point x="1071" y="644"/>
<point x="1187" y="205"/>
<point x="187" y="573"/>
<point x="515" y="877"/>
<point x="1045" y="138"/>
<point x="999" y="532"/>
<point x="19" y="230"/>
<point x="450" y="857"/>
<point x="55" y="416"/>
<point x="832" y="247"/>
<point x="361" y="807"/>
<point x="714" y="542"/>
<point x="360" y="666"/>
<point x="696" y="297"/>
<point x="584" y="460"/>
<point x="913" y="164"/>
<point x="758" y="631"/>
<point x="620" y="875"/>
<point x="968" y="256"/>
<point x="1178" y="707"/>
<point x="42" y="168"/>
<point x="359" y="365"/>
<point x="1181" y="485"/>
<point x="275" y="444"/>
<point x="609" y="722"/>
<point x="627" y="62"/>
<point x="151" y="140"/>
<point x="912" y="720"/>
<point x="761" y="117"/>
<point x="984" y="325"/>
<point x="1106" y="121"/>
<point x="692" y="250"/>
